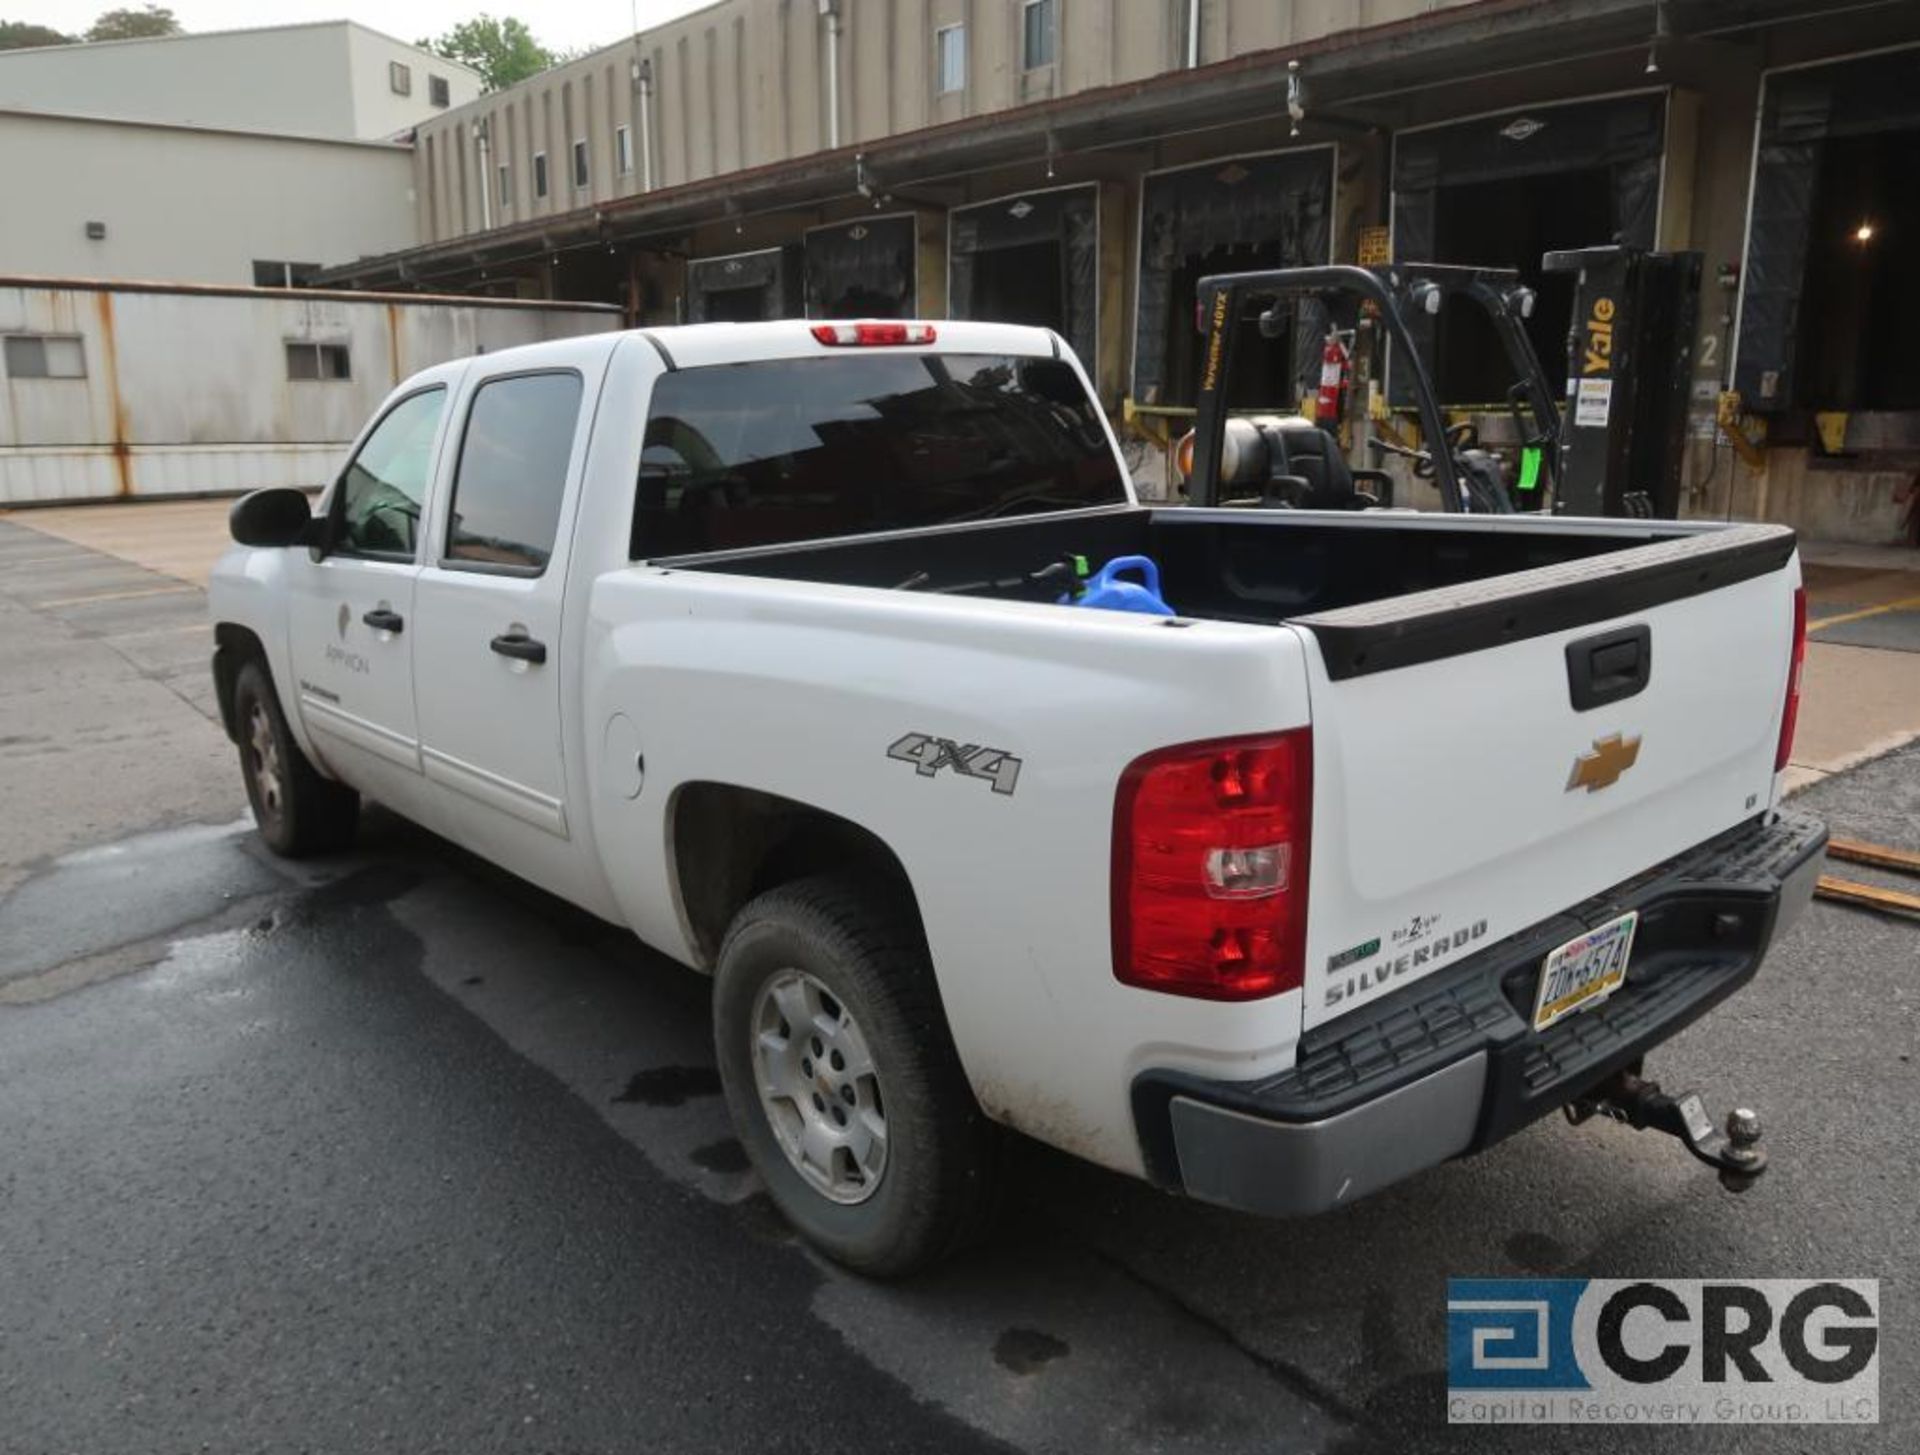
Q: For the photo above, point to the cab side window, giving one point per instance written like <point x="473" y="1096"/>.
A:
<point x="382" y="493"/>
<point x="513" y="472"/>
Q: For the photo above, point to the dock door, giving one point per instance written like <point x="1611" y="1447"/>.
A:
<point x="1031" y="258"/>
<point x="1500" y="191"/>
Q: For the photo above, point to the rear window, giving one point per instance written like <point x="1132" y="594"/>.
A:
<point x="796" y="449"/>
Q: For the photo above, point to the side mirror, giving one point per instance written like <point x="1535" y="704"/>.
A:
<point x="277" y="516"/>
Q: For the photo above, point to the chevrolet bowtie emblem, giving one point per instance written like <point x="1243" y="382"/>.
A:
<point x="1601" y="768"/>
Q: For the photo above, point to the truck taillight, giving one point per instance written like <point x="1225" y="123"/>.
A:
<point x="1210" y="867"/>
<point x="1790" y="714"/>
<point x="873" y="335"/>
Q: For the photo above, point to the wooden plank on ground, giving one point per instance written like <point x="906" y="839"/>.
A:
<point x="1872" y="896"/>
<point x="1856" y="851"/>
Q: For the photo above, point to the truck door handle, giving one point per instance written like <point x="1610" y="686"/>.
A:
<point x="520" y="647"/>
<point x="384" y="619"/>
<point x="1610" y="667"/>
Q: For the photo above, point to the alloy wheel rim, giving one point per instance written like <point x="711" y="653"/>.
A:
<point x="819" y="1089"/>
<point x="263" y="760"/>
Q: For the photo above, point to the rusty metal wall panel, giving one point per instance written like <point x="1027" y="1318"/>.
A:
<point x="188" y="392"/>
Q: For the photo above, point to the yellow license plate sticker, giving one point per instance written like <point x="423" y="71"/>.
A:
<point x="1584" y="971"/>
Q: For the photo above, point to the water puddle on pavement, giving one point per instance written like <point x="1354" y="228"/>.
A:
<point x="1035" y="1339"/>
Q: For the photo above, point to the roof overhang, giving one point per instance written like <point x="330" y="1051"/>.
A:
<point x="1358" y="81"/>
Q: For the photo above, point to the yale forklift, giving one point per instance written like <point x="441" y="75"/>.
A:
<point x="1614" y="450"/>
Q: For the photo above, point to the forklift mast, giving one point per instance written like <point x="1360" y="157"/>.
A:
<point x="1629" y="365"/>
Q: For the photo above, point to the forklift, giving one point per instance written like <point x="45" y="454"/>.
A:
<point x="1615" y="450"/>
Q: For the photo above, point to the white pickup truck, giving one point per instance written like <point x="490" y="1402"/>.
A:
<point x="772" y="642"/>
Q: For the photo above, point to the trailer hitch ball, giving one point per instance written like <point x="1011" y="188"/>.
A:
<point x="1744" y="1159"/>
<point x="1735" y="1153"/>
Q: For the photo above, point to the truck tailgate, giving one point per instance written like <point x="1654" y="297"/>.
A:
<point x="1460" y="794"/>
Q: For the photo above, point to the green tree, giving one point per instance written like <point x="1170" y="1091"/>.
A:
<point x="141" y="24"/>
<point x="503" y="51"/>
<point x="18" y="35"/>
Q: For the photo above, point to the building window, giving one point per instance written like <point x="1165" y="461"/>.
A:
<point x="505" y="194"/>
<point x="539" y="174"/>
<point x="950" y="58"/>
<point x="580" y="162"/>
<point x="623" y="149"/>
<point x="318" y="361"/>
<point x="45" y="356"/>
<point x="400" y="78"/>
<point x="1036" y="33"/>
<point x="437" y="91"/>
<point x="268" y="274"/>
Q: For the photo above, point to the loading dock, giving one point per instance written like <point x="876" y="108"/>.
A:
<point x="1830" y="299"/>
<point x="1501" y="190"/>
<point x="862" y="269"/>
<point x="1032" y="257"/>
<point x="1232" y="214"/>
<point x="744" y="287"/>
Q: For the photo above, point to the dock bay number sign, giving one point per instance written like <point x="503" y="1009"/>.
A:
<point x="1592" y="392"/>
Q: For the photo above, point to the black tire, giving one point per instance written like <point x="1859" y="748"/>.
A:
<point x="934" y="1193"/>
<point x="299" y="812"/>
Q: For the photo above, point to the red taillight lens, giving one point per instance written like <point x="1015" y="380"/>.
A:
<point x="1210" y="867"/>
<point x="1790" y="714"/>
<point x="873" y="335"/>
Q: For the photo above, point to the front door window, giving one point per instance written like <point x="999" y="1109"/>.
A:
<point x="383" y="490"/>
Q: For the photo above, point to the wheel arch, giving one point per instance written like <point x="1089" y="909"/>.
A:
<point x="234" y="647"/>
<point x="728" y="843"/>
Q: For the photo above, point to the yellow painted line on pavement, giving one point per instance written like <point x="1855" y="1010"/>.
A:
<point x="1905" y="603"/>
<point x="114" y="596"/>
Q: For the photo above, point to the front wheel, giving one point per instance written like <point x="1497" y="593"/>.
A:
<point x="842" y="1079"/>
<point x="298" y="811"/>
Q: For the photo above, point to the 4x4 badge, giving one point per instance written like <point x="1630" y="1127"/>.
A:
<point x="930" y="754"/>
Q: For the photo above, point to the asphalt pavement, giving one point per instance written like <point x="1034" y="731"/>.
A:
<point x="390" y="1152"/>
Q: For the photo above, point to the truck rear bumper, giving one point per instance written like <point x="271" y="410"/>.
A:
<point x="1451" y="1064"/>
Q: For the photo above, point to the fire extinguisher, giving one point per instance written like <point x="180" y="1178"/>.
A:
<point x="1333" y="380"/>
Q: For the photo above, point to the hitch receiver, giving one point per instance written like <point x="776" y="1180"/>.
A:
<point x="1628" y="1097"/>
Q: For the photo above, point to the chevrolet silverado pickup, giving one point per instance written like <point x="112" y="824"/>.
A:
<point x="1359" y="840"/>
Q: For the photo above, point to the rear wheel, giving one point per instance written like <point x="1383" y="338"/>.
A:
<point x="298" y="812"/>
<point x="842" y="1078"/>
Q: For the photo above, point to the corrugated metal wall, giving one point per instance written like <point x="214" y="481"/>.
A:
<point x="189" y="391"/>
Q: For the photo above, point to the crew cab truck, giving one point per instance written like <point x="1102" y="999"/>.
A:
<point x="767" y="641"/>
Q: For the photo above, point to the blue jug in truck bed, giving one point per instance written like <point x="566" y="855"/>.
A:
<point x="1106" y="591"/>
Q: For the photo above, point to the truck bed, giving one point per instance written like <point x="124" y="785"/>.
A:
<point x="1460" y="669"/>
<point x="1315" y="569"/>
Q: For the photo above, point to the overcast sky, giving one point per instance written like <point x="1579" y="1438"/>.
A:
<point x="576" y="25"/>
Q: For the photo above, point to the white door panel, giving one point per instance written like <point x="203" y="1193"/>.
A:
<point x="491" y="722"/>
<point x="488" y="610"/>
<point x="354" y="679"/>
<point x="349" y="611"/>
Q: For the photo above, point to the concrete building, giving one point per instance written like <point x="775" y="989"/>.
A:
<point x="332" y="78"/>
<point x="137" y="199"/>
<point x="1084" y="162"/>
<point x="112" y="390"/>
<point x="246" y="156"/>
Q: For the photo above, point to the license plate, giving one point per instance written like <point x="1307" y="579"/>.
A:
<point x="1584" y="971"/>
